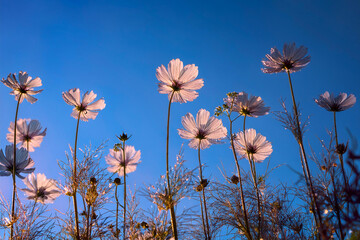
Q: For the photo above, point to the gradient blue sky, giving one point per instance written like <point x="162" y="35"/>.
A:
<point x="114" y="48"/>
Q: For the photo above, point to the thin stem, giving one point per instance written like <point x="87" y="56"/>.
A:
<point x="124" y="227"/>
<point x="75" y="181"/>
<point x="339" y="154"/>
<point x="117" y="212"/>
<point x="88" y="222"/>
<point x="202" y="217"/>
<point x="14" y="172"/>
<point x="317" y="215"/>
<point x="203" y="193"/>
<point x="253" y="173"/>
<point x="337" y="207"/>
<point x="248" y="234"/>
<point x="172" y="210"/>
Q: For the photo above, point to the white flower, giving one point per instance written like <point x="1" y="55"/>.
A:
<point x="41" y="189"/>
<point x="86" y="107"/>
<point x="27" y="133"/>
<point x="206" y="130"/>
<point x="252" y="107"/>
<point x="254" y="144"/>
<point x="25" y="86"/>
<point x="339" y="103"/>
<point x="179" y="81"/>
<point x="117" y="163"/>
<point x="24" y="164"/>
<point x="292" y="59"/>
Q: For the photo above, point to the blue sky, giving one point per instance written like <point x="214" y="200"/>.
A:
<point x="114" y="48"/>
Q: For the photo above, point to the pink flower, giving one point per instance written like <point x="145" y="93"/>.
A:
<point x="85" y="107"/>
<point x="28" y="134"/>
<point x="205" y="131"/>
<point x="24" y="164"/>
<point x="252" y="107"/>
<point x="336" y="104"/>
<point x="179" y="81"/>
<point x="41" y="189"/>
<point x="292" y="59"/>
<point x="254" y="144"/>
<point x="117" y="162"/>
<point x="23" y="87"/>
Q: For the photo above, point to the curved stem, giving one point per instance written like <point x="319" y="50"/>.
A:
<point x="14" y="172"/>
<point x="172" y="210"/>
<point x="75" y="180"/>
<point x="124" y="227"/>
<point x="203" y="194"/>
<point x="317" y="215"/>
<point x="248" y="234"/>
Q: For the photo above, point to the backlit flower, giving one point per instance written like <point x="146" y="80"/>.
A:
<point x="117" y="162"/>
<point x="254" y="144"/>
<point x="292" y="59"/>
<point x="336" y="103"/>
<point x="24" y="87"/>
<point x="206" y="130"/>
<point x="27" y="133"/>
<point x="179" y="81"/>
<point x="24" y="164"/>
<point x="252" y="107"/>
<point x="41" y="189"/>
<point x="85" y="107"/>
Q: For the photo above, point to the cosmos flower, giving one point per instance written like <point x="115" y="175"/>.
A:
<point x="336" y="104"/>
<point x="292" y="59"/>
<point x="252" y="107"/>
<point x="86" y="107"/>
<point x="206" y="130"/>
<point x="116" y="161"/>
<point x="23" y="87"/>
<point x="41" y="189"/>
<point x="256" y="145"/>
<point x="27" y="133"/>
<point x="179" y="81"/>
<point x="24" y="164"/>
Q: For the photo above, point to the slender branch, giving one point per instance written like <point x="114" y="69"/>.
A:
<point x="172" y="210"/>
<point x="14" y="172"/>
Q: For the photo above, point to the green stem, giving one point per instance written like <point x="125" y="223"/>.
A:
<point x="339" y="154"/>
<point x="317" y="214"/>
<point x="75" y="181"/>
<point x="124" y="227"/>
<point x="247" y="231"/>
<point x="172" y="210"/>
<point x="203" y="194"/>
<point x="88" y="222"/>
<point x="14" y="172"/>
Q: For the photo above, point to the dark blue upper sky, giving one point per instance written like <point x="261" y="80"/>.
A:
<point x="114" y="48"/>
